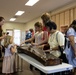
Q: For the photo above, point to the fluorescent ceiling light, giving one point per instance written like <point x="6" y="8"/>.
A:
<point x="12" y="19"/>
<point x="19" y="13"/>
<point x="31" y="2"/>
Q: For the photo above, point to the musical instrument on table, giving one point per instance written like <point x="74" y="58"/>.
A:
<point x="46" y="59"/>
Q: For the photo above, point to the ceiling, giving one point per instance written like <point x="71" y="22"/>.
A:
<point x="8" y="8"/>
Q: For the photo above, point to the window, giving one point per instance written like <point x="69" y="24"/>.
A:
<point x="17" y="37"/>
<point x="10" y="31"/>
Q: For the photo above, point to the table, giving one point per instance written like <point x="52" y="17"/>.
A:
<point x="46" y="69"/>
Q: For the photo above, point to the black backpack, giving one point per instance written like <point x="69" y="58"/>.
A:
<point x="63" y="55"/>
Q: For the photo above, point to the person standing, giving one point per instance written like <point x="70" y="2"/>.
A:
<point x="28" y="36"/>
<point x="70" y="49"/>
<point x="9" y="56"/>
<point x="2" y="20"/>
<point x="56" y="41"/>
<point x="45" y="18"/>
<point x="2" y="43"/>
<point x="38" y="36"/>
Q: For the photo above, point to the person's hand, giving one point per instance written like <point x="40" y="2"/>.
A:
<point x="15" y="46"/>
<point x="34" y="44"/>
<point x="41" y="46"/>
<point x="4" y="36"/>
<point x="21" y="43"/>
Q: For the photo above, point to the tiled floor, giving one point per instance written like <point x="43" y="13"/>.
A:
<point x="27" y="71"/>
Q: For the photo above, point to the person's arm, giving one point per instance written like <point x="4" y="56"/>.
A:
<point x="13" y="49"/>
<point x="72" y="42"/>
<point x="28" y="40"/>
<point x="45" y="36"/>
<point x="2" y="37"/>
<point x="55" y="48"/>
<point x="70" y="34"/>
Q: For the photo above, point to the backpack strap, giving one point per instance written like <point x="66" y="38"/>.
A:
<point x="63" y="56"/>
<point x="57" y="37"/>
<point x="60" y="48"/>
<point x="65" y="40"/>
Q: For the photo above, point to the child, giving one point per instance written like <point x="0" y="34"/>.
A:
<point x="9" y="57"/>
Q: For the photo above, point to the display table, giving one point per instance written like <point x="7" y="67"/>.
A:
<point x="46" y="69"/>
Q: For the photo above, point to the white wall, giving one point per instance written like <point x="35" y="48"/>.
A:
<point x="31" y="23"/>
<point x="13" y="26"/>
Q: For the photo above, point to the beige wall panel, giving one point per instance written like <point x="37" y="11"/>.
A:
<point x="61" y="18"/>
<point x="71" y="16"/>
<point x="74" y="13"/>
<point x="53" y="18"/>
<point x="67" y="17"/>
<point x="68" y="6"/>
<point x="53" y="15"/>
<point x="57" y="21"/>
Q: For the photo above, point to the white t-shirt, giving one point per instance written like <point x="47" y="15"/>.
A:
<point x="54" y="43"/>
<point x="39" y="37"/>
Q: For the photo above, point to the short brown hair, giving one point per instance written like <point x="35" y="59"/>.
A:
<point x="31" y="30"/>
<point x="38" y="24"/>
<point x="45" y="17"/>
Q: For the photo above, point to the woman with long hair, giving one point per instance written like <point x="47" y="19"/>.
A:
<point x="71" y="50"/>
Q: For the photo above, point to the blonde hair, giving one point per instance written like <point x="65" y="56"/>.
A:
<point x="7" y="41"/>
<point x="45" y="16"/>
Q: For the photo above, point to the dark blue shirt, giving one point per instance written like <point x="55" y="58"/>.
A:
<point x="28" y="35"/>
